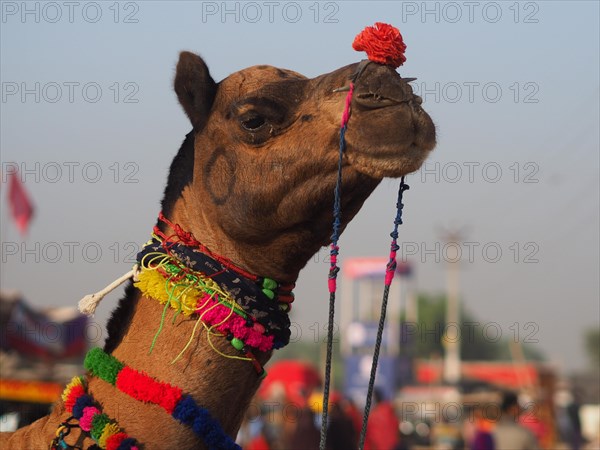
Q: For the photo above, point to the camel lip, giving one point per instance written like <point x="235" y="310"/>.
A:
<point x="393" y="164"/>
<point x="372" y="100"/>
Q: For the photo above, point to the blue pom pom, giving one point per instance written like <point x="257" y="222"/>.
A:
<point x="82" y="402"/>
<point x="189" y="413"/>
<point x="201" y="425"/>
<point x="126" y="444"/>
<point x="185" y="410"/>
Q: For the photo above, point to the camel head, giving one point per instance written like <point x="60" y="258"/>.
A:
<point x="259" y="185"/>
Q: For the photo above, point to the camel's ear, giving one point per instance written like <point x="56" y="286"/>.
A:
<point x="195" y="88"/>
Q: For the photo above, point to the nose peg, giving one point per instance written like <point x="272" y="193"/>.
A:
<point x="342" y="89"/>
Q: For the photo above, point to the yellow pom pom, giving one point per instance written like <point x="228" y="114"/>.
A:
<point x="76" y="381"/>
<point x="152" y="284"/>
<point x="108" y="431"/>
<point x="183" y="294"/>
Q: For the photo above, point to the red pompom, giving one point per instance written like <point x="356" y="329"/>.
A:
<point x="74" y="393"/>
<point x="113" y="442"/>
<point x="383" y="44"/>
<point x="142" y="387"/>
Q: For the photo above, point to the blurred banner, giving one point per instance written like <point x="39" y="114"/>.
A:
<point x="30" y="391"/>
<point x="21" y="207"/>
<point x="50" y="334"/>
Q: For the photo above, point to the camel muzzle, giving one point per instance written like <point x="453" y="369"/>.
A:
<point x="379" y="86"/>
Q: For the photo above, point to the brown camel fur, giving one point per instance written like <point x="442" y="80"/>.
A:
<point x="253" y="182"/>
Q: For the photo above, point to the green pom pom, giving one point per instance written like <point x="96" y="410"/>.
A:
<point x="237" y="343"/>
<point x="102" y="365"/>
<point x="99" y="421"/>
<point x="269" y="293"/>
<point x="269" y="284"/>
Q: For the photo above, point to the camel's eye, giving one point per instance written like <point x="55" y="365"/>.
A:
<point x="253" y="122"/>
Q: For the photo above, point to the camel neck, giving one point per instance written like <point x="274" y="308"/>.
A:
<point x="185" y="354"/>
<point x="201" y="325"/>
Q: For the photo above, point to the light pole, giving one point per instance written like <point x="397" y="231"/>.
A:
<point x="452" y="364"/>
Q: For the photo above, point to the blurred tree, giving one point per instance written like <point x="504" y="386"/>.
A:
<point x="427" y="336"/>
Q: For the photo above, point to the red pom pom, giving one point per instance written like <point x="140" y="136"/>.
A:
<point x="113" y="442"/>
<point x="146" y="389"/>
<point x="383" y="44"/>
<point x="75" y="392"/>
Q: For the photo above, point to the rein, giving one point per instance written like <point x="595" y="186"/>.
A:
<point x="334" y="269"/>
<point x="389" y="276"/>
<point x="332" y="285"/>
<point x="383" y="44"/>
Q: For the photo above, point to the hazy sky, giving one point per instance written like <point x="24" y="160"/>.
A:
<point x="89" y="115"/>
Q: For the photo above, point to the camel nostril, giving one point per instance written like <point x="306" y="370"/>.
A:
<point x="359" y="70"/>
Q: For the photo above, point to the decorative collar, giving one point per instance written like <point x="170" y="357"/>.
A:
<point x="222" y="294"/>
<point x="146" y="389"/>
<point x="284" y="290"/>
<point x="103" y="430"/>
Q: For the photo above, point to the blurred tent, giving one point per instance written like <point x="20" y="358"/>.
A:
<point x="48" y="334"/>
<point x="40" y="351"/>
<point x="507" y="375"/>
<point x="294" y="379"/>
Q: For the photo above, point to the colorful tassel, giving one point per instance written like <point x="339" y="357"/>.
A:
<point x="146" y="389"/>
<point x="81" y="405"/>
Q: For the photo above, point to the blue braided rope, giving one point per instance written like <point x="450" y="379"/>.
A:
<point x="337" y="203"/>
<point x="189" y="413"/>
<point x="333" y="271"/>
<point x="391" y="268"/>
<point x="397" y="221"/>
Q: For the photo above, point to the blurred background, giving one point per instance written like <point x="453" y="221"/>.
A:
<point x="498" y="286"/>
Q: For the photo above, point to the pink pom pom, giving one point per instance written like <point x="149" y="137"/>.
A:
<point x="88" y="415"/>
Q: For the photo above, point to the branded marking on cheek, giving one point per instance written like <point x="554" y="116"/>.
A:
<point x="214" y="182"/>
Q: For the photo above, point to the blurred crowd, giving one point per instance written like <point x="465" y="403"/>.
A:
<point x="286" y="415"/>
<point x="276" y="424"/>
